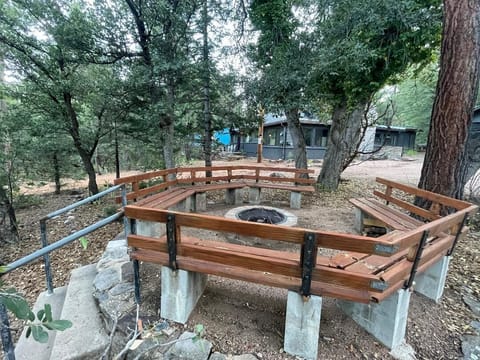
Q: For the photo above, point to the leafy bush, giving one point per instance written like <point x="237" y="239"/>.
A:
<point x="37" y="324"/>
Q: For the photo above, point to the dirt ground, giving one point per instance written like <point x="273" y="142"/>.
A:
<point x="241" y="317"/>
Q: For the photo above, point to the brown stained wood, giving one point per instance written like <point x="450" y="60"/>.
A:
<point x="148" y="243"/>
<point x="342" y="260"/>
<point x="265" y="278"/>
<point x="444" y="200"/>
<point x="332" y="240"/>
<point x="144" y="176"/>
<point x="344" y="278"/>
<point x="407" y="206"/>
<point x="387" y="215"/>
<point x="297" y="188"/>
<point x="162" y="196"/>
<point x="340" y="292"/>
<point x="275" y="179"/>
<point x="174" y="199"/>
<point x="211" y="187"/>
<point x="374" y="264"/>
<point x="402" y="269"/>
<point x="202" y="179"/>
<point x="150" y="190"/>
<point x="404" y="219"/>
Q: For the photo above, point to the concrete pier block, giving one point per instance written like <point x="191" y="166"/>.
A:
<point x="200" y="201"/>
<point x="295" y="199"/>
<point x="180" y="292"/>
<point x="302" y="325"/>
<point x="386" y="321"/>
<point x="187" y="204"/>
<point x="150" y="228"/>
<point x="359" y="220"/>
<point x="254" y="195"/>
<point x="432" y="282"/>
<point x="234" y="196"/>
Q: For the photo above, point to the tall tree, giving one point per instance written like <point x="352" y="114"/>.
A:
<point x="283" y="57"/>
<point x="50" y="45"/>
<point x="162" y="36"/>
<point x="445" y="166"/>
<point x="363" y="45"/>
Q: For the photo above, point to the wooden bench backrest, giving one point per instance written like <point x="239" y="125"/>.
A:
<point x="440" y="204"/>
<point x="197" y="175"/>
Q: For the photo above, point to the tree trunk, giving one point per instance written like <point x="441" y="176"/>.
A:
<point x="298" y="139"/>
<point x="445" y="166"/>
<point x="207" y="116"/>
<point x="56" y="173"/>
<point x="168" y="132"/>
<point x="343" y="142"/>
<point x="85" y="155"/>
<point x="10" y="210"/>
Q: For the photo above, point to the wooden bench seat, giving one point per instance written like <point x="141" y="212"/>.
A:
<point x="380" y="214"/>
<point x="167" y="198"/>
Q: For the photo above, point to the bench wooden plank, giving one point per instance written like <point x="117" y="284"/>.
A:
<point x="297" y="188"/>
<point x="407" y="206"/>
<point x="157" y="199"/>
<point x="342" y="260"/>
<point x="387" y="215"/>
<point x="438" y="198"/>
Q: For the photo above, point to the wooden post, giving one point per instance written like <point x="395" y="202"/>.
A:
<point x="261" y="113"/>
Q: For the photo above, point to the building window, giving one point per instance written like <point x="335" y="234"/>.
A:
<point x="321" y="136"/>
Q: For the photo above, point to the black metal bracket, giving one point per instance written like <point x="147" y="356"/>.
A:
<point x="308" y="260"/>
<point x="416" y="261"/>
<point x="457" y="236"/>
<point x="136" y="264"/>
<point x="172" y="241"/>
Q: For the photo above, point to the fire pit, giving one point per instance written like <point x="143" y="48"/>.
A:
<point x="262" y="214"/>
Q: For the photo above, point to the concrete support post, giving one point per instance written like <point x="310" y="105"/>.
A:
<point x="200" y="201"/>
<point x="187" y="204"/>
<point x="386" y="321"/>
<point x="359" y="220"/>
<point x="234" y="196"/>
<point x="150" y="228"/>
<point x="432" y="282"/>
<point x="302" y="325"/>
<point x="192" y="204"/>
<point x="254" y="196"/>
<point x="180" y="292"/>
<point x="295" y="199"/>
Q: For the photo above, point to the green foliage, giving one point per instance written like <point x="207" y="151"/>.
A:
<point x="110" y="210"/>
<point x="23" y="201"/>
<point x="365" y="45"/>
<point x="36" y="324"/>
<point x="84" y="242"/>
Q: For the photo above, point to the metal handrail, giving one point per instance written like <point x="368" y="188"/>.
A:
<point x="5" y="333"/>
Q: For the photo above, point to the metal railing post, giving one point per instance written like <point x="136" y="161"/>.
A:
<point x="6" y="335"/>
<point x="46" y="257"/>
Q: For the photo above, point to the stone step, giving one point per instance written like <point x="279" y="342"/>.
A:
<point x="27" y="349"/>
<point x="86" y="339"/>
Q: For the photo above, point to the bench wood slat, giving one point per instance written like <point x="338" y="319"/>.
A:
<point x="407" y="206"/>
<point x="438" y="198"/>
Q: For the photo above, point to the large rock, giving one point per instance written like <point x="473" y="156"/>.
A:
<point x="189" y="347"/>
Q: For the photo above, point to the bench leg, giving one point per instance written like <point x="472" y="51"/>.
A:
<point x="200" y="201"/>
<point x="295" y="199"/>
<point x="234" y="196"/>
<point x="359" y="220"/>
<point x="302" y="325"/>
<point x="386" y="321"/>
<point x="431" y="282"/>
<point x="150" y="228"/>
<point x="254" y="195"/>
<point x="180" y="292"/>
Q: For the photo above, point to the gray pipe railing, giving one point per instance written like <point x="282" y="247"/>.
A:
<point x="5" y="334"/>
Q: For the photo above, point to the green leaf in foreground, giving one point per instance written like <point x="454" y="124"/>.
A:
<point x="59" y="325"/>
<point x="84" y="242"/>
<point x="39" y="334"/>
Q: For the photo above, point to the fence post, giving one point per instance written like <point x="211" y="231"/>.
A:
<point x="6" y="335"/>
<point x="46" y="257"/>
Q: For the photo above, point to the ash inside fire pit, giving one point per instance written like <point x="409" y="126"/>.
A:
<point x="261" y="215"/>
